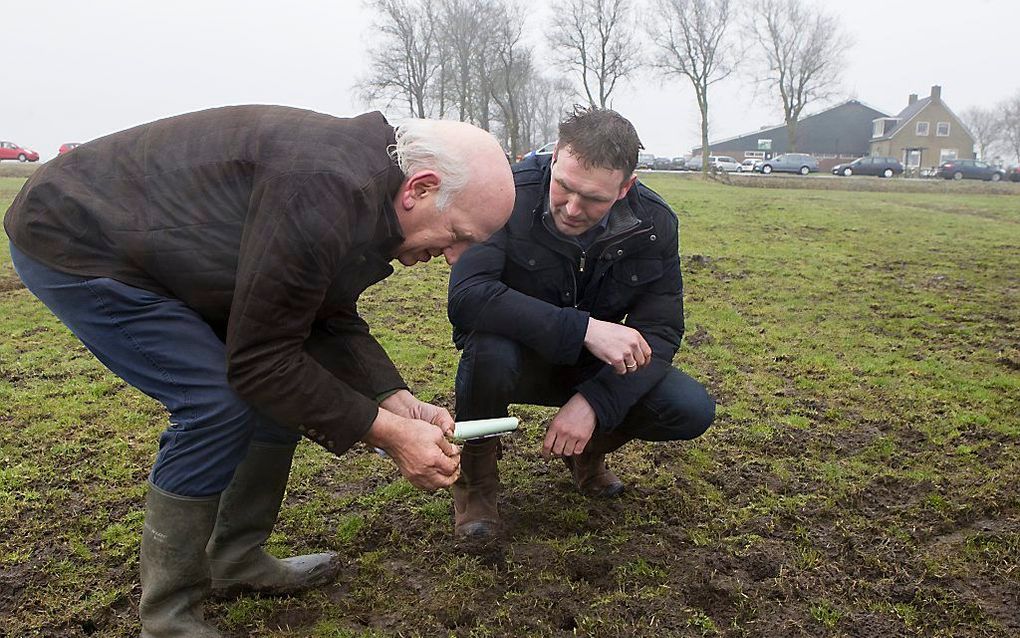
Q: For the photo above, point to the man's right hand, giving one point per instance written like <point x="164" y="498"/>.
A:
<point x="617" y="345"/>
<point x="421" y="451"/>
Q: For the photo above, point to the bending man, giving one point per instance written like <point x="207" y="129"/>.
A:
<point x="214" y="261"/>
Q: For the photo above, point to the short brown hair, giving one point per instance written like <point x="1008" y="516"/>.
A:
<point x="601" y="138"/>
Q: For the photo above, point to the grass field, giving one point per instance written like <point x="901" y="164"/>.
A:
<point x="861" y="478"/>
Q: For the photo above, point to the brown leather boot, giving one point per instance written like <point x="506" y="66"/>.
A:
<point x="476" y="515"/>
<point x="591" y="474"/>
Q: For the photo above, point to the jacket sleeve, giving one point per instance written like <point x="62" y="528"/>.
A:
<point x="658" y="314"/>
<point x="344" y="346"/>
<point x="299" y="228"/>
<point x="480" y="302"/>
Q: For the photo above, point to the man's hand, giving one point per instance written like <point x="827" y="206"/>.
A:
<point x="619" y="346"/>
<point x="570" y="429"/>
<point x="419" y="448"/>
<point x="405" y="404"/>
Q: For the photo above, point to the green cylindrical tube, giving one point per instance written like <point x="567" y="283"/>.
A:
<point x="467" y="430"/>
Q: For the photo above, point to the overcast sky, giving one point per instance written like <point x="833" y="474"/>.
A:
<point x="75" y="70"/>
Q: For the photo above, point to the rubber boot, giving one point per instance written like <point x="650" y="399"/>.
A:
<point x="476" y="514"/>
<point x="174" y="567"/>
<point x="248" y="510"/>
<point x="591" y="474"/>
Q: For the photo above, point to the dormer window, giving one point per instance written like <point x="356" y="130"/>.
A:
<point x="942" y="129"/>
<point x="922" y="129"/>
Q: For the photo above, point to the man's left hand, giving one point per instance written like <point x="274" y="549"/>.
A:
<point x="407" y="405"/>
<point x="571" y="428"/>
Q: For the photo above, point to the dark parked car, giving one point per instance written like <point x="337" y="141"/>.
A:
<point x="970" y="169"/>
<point x="662" y="164"/>
<point x="880" y="166"/>
<point x="1014" y="174"/>
<point x="789" y="163"/>
<point x="678" y="164"/>
<point x="10" y="150"/>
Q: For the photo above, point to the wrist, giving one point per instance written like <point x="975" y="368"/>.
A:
<point x="384" y="431"/>
<point x="398" y="401"/>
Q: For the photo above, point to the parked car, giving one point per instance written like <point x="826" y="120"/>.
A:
<point x="545" y="149"/>
<point x="724" y="163"/>
<point x="11" y="151"/>
<point x="748" y="165"/>
<point x="970" y="169"/>
<point x="678" y="164"/>
<point x="880" y="166"/>
<point x="645" y="160"/>
<point x="68" y="147"/>
<point x="790" y="163"/>
<point x="662" y="163"/>
<point x="716" y="162"/>
<point x="1014" y="173"/>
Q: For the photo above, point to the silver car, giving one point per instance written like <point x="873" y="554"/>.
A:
<point x="790" y="163"/>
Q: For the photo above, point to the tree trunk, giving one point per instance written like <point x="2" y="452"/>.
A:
<point x="705" y="151"/>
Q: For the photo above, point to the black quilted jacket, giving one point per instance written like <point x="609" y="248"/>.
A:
<point x="531" y="284"/>
<point x="268" y="221"/>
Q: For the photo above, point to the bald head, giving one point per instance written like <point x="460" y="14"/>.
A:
<point x="454" y="150"/>
<point x="457" y="170"/>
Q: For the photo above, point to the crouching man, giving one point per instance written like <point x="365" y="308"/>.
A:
<point x="576" y="303"/>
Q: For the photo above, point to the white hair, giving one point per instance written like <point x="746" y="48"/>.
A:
<point x="420" y="146"/>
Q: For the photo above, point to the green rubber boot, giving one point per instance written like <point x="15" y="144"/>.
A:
<point x="247" y="513"/>
<point x="174" y="566"/>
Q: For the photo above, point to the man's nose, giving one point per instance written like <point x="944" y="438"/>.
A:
<point x="573" y="207"/>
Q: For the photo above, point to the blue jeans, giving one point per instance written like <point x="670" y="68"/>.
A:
<point x="496" y="371"/>
<point x="162" y="347"/>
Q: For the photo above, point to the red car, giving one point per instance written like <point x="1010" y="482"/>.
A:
<point x="68" y="147"/>
<point x="10" y="150"/>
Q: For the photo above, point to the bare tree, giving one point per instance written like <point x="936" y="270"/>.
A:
<point x="594" y="40"/>
<point x="800" y="52"/>
<point x="404" y="65"/>
<point x="467" y="25"/>
<point x="691" y="38"/>
<point x="1010" y="110"/>
<point x="551" y="97"/>
<point x="985" y="125"/>
<point x="510" y="74"/>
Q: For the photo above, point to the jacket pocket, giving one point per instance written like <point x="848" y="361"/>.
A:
<point x="637" y="272"/>
<point x="622" y="286"/>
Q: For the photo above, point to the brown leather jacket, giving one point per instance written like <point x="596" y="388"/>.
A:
<point x="268" y="221"/>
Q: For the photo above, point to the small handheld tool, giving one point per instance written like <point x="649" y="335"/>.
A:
<point x="484" y="428"/>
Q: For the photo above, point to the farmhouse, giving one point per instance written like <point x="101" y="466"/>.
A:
<point x="924" y="134"/>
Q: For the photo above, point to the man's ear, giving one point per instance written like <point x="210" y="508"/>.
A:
<point x="419" y="186"/>
<point x="625" y="188"/>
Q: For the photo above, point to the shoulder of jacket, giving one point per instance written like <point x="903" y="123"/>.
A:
<point x="530" y="171"/>
<point x="656" y="206"/>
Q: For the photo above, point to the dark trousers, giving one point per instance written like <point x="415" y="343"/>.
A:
<point x="495" y="371"/>
<point x="162" y="347"/>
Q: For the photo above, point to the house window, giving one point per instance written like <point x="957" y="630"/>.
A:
<point x="913" y="158"/>
<point x="947" y="154"/>
<point x="877" y="128"/>
<point x="942" y="129"/>
<point x="922" y="129"/>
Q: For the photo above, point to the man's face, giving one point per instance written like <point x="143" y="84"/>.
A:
<point x="580" y="197"/>
<point x="449" y="236"/>
<point x="472" y="217"/>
